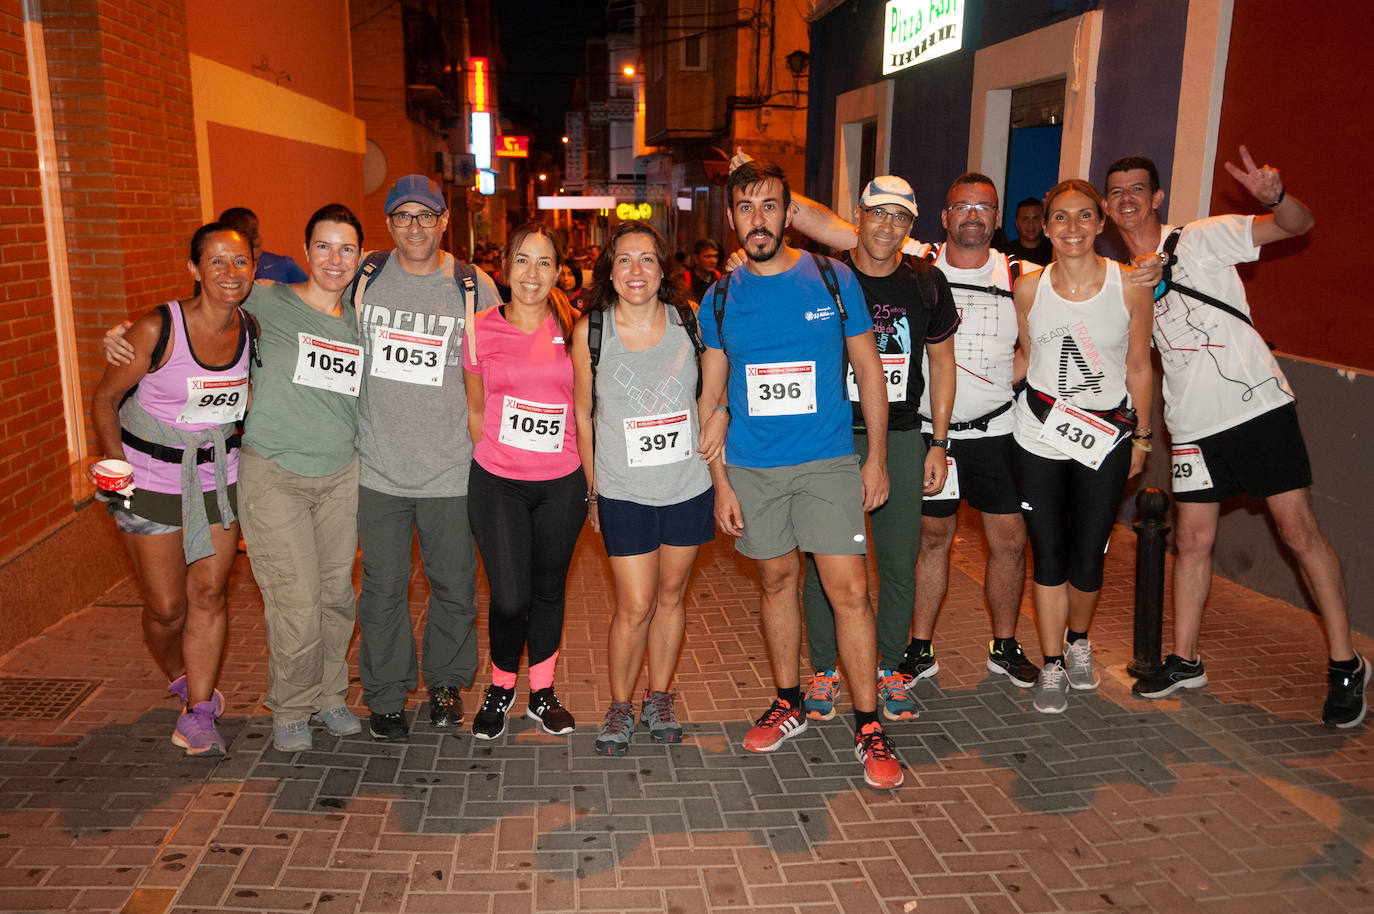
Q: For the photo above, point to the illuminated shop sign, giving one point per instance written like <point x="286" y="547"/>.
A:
<point x="477" y="86"/>
<point x="481" y="138"/>
<point x="914" y="32"/>
<point x="512" y="147"/>
<point x="634" y="210"/>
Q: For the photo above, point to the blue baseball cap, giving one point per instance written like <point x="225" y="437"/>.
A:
<point x="415" y="189"/>
<point x="887" y="189"/>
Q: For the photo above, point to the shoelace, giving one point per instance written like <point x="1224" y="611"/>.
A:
<point x="825" y="687"/>
<point x="662" y="703"/>
<point x="548" y="702"/>
<point x="775" y="714"/>
<point x="1081" y="651"/>
<point x="494" y="701"/>
<point x="875" y="741"/>
<point x="892" y="685"/>
<point x="1053" y="673"/>
<point x="620" y="720"/>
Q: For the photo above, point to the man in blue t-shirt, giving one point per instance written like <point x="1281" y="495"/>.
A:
<point x="782" y="328"/>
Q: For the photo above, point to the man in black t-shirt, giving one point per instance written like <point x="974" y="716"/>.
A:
<point x="912" y="307"/>
<point x="1030" y="242"/>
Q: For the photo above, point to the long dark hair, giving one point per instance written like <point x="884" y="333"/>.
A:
<point x="601" y="294"/>
<point x="563" y="311"/>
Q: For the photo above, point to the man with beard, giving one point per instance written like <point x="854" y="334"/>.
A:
<point x="1230" y="413"/>
<point x="780" y="329"/>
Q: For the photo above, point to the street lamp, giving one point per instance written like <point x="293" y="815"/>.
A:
<point x="797" y="61"/>
<point x="628" y="70"/>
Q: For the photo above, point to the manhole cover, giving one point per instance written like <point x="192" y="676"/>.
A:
<point x="42" y="699"/>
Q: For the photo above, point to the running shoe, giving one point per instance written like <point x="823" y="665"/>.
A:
<point x="897" y="704"/>
<point x="196" y="732"/>
<point x="389" y="728"/>
<point x="882" y="771"/>
<point x="1078" y="658"/>
<point x="338" y="721"/>
<point x="780" y="721"/>
<point x="1052" y="689"/>
<point x="656" y="712"/>
<point x="919" y="663"/>
<point x="616" y="729"/>
<point x="1175" y="674"/>
<point x="1345" y="699"/>
<point x="821" y="693"/>
<point x="292" y="737"/>
<point x="549" y="711"/>
<point x="178" y="687"/>
<point x="1013" y="664"/>
<point x="490" y="720"/>
<point x="445" y="706"/>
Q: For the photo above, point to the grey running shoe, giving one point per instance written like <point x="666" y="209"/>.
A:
<point x="656" y="713"/>
<point x="1013" y="663"/>
<point x="1345" y="699"/>
<point x="1175" y="674"/>
<point x="1079" y="659"/>
<point x="338" y="721"/>
<point x="920" y="665"/>
<point x="614" y="738"/>
<point x="292" y="737"/>
<point x="1052" y="689"/>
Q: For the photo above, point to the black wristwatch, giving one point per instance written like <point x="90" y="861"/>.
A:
<point x="940" y="442"/>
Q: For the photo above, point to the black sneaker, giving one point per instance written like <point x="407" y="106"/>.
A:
<point x="490" y="720"/>
<point x="1345" y="702"/>
<point x="445" y="706"/>
<point x="1176" y="674"/>
<point x="389" y="728"/>
<point x="918" y="664"/>
<point x="1013" y="664"/>
<point x="552" y="716"/>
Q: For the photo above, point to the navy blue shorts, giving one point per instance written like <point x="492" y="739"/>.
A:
<point x="629" y="528"/>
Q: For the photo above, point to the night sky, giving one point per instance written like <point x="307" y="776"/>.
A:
<point x="543" y="44"/>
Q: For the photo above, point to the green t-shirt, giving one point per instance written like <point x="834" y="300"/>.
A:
<point x="301" y="426"/>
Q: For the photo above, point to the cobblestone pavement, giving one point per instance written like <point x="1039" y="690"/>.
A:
<point x="1233" y="798"/>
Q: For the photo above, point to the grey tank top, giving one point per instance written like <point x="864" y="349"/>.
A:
<point x="646" y="419"/>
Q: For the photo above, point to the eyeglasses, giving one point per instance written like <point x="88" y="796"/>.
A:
<point x="402" y="219"/>
<point x="900" y="218"/>
<point x="981" y="209"/>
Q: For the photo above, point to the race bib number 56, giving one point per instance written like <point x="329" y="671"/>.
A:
<point x="781" y="388"/>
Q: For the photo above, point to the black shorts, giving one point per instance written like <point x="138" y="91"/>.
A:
<point x="629" y="528"/>
<point x="985" y="478"/>
<point x="1261" y="457"/>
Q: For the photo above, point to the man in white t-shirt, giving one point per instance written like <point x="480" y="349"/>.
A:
<point x="1230" y="412"/>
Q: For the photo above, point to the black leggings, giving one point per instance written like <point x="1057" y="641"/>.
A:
<point x="526" y="532"/>
<point x="1069" y="511"/>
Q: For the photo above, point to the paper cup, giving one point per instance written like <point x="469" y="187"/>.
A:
<point x="112" y="475"/>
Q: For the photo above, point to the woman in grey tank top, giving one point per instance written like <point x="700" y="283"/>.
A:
<point x="649" y="492"/>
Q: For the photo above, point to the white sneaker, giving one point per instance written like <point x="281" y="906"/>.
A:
<point x="1078" y="657"/>
<point x="1051" y="689"/>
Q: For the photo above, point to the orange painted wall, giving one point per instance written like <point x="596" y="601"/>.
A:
<point x="283" y="181"/>
<point x="1307" y="113"/>
<point x="302" y="46"/>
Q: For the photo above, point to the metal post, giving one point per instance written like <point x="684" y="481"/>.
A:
<point x="1151" y="533"/>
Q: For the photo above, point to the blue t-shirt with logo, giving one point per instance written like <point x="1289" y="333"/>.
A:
<point x="775" y="327"/>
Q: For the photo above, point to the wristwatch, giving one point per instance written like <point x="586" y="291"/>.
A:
<point x="940" y="442"/>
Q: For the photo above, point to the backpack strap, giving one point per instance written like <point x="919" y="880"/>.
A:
<point x="1167" y="284"/>
<point x="718" y="305"/>
<point x="832" y="285"/>
<point x="693" y="328"/>
<point x="164" y="336"/>
<point x="374" y="262"/>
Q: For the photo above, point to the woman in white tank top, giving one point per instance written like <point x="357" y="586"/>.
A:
<point x="1085" y="334"/>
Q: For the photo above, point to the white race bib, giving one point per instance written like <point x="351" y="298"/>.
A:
<point x="328" y="364"/>
<point x="781" y="388"/>
<point x="408" y="355"/>
<point x="951" y="487"/>
<point x="896" y="368"/>
<point x="532" y="426"/>
<point x="1079" y="435"/>
<point x="1189" y="469"/>
<point x="214" y="399"/>
<point x="652" y="441"/>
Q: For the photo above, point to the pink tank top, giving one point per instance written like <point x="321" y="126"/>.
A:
<point x="194" y="396"/>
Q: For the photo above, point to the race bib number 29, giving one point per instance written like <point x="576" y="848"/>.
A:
<point x="1189" y="469"/>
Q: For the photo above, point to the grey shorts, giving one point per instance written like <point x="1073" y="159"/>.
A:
<point x="817" y="506"/>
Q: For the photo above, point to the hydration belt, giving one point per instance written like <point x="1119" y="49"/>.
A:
<point x="169" y="454"/>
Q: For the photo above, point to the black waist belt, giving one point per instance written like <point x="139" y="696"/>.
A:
<point x="168" y="454"/>
<point x="1041" y="403"/>
<point x="981" y="423"/>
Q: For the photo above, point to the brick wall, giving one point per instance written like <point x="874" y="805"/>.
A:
<point x="34" y="493"/>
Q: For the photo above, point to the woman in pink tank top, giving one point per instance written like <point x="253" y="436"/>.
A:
<point x="179" y="526"/>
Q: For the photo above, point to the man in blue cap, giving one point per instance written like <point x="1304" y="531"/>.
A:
<point x="413" y="303"/>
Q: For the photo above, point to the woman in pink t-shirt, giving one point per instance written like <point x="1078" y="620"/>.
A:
<point x="526" y="491"/>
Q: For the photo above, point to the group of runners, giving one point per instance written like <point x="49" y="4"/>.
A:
<point x="395" y="395"/>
